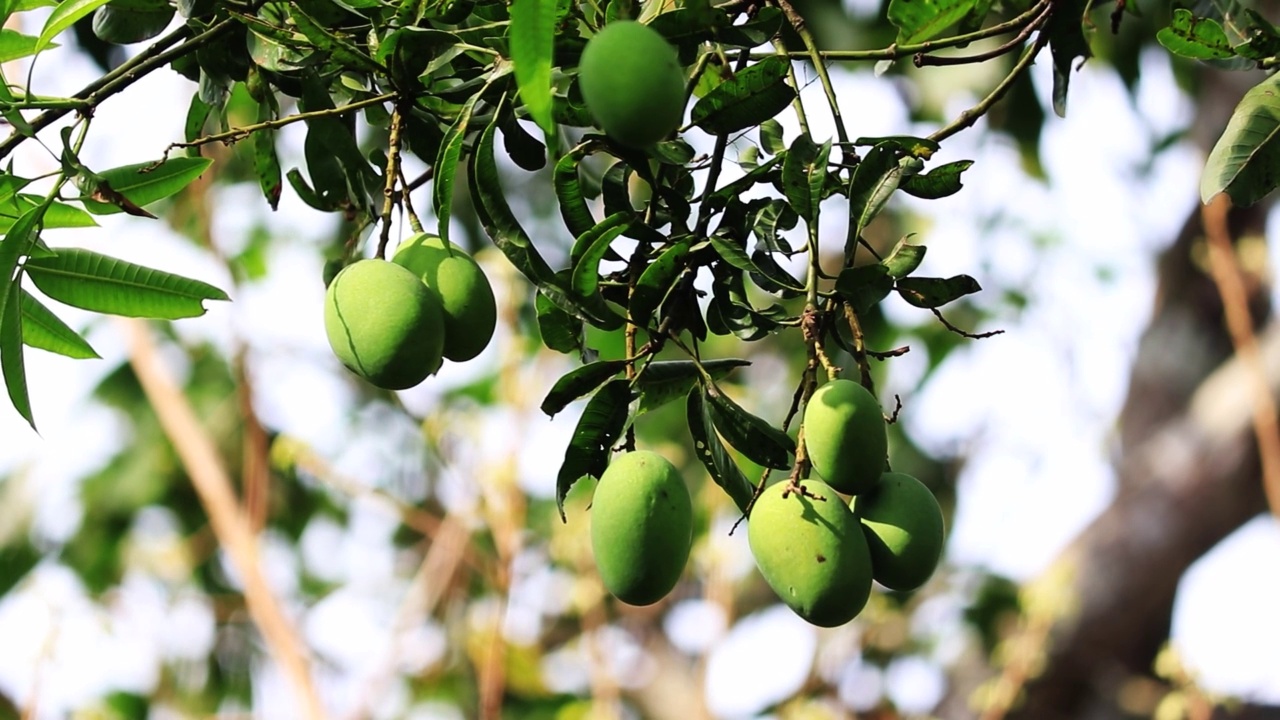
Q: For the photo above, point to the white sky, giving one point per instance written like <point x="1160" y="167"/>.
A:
<point x="1034" y="409"/>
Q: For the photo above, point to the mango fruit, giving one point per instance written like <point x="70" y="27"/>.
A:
<point x="632" y="83"/>
<point x="811" y="552"/>
<point x="384" y="324"/>
<point x="464" y="293"/>
<point x="903" y="525"/>
<point x="844" y="434"/>
<point x="641" y="527"/>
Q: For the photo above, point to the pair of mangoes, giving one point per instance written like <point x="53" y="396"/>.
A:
<point x="820" y="554"/>
<point x="395" y="322"/>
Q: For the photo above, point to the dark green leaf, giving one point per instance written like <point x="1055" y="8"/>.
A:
<point x="864" y="286"/>
<point x="940" y="182"/>
<point x="532" y="34"/>
<point x="655" y="282"/>
<point x="802" y="162"/>
<point x="756" y="439"/>
<point x="12" y="364"/>
<point x="771" y="137"/>
<point x="1066" y="43"/>
<point x="145" y="183"/>
<point x="874" y="182"/>
<point x="908" y="144"/>
<point x="580" y="382"/>
<point x="665" y="380"/>
<point x="266" y="164"/>
<point x="919" y="20"/>
<point x="748" y="98"/>
<point x="936" y="292"/>
<point x="733" y="252"/>
<point x="772" y="278"/>
<point x="91" y="281"/>
<point x="343" y="48"/>
<point x="601" y="425"/>
<point x="523" y="149"/>
<point x="560" y="331"/>
<point x="568" y="186"/>
<point x="446" y="168"/>
<point x="17" y="243"/>
<point x="590" y="249"/>
<point x="42" y="329"/>
<point x="1245" y="162"/>
<point x="707" y="446"/>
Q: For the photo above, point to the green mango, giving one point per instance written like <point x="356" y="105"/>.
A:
<point x="470" y="311"/>
<point x="632" y="83"/>
<point x="845" y="437"/>
<point x="903" y="525"/>
<point x="641" y="527"/>
<point x="384" y="324"/>
<point x="811" y="552"/>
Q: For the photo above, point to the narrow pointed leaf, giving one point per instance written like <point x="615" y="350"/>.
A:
<point x="600" y="426"/>
<point x="56" y="215"/>
<point x="707" y="446"/>
<point x="655" y="282"/>
<point x="91" y="281"/>
<point x="936" y="292"/>
<point x="64" y="16"/>
<point x="750" y="435"/>
<point x="580" y="382"/>
<point x="446" y="168"/>
<point x="42" y="329"/>
<point x="143" y="184"/>
<point x="666" y="380"/>
<point x="12" y="364"/>
<point x="17" y="243"/>
<point x="586" y="272"/>
<point x="568" y="187"/>
<point x="874" y="182"/>
<point x="747" y="99"/>
<point x="532" y="34"/>
<point x="1066" y="43"/>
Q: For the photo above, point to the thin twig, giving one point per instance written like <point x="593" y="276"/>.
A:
<point x="963" y="333"/>
<point x="924" y="59"/>
<point x="967" y="118"/>
<point x="209" y="478"/>
<point x="236" y="134"/>
<point x="1227" y="275"/>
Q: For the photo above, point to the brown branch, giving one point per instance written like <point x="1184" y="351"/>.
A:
<point x="209" y="477"/>
<point x="964" y="333"/>
<point x="1227" y="275"/>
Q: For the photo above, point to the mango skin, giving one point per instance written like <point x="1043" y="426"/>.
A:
<point x="641" y="527"/>
<point x="384" y="324"/>
<point x="632" y="83"/>
<point x="845" y="436"/>
<point x="470" y="311"/>
<point x="811" y="552"/>
<point x="903" y="525"/>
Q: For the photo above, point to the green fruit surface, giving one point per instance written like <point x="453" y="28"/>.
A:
<point x="811" y="552"/>
<point x="903" y="525"/>
<point x="470" y="312"/>
<point x="641" y="527"/>
<point x="844" y="435"/>
<point x="632" y="83"/>
<point x="384" y="324"/>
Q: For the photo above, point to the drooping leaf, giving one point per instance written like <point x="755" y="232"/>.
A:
<point x="446" y="167"/>
<point x="1194" y="37"/>
<point x="750" y="435"/>
<point x="936" y="292"/>
<point x="568" y="186"/>
<point x="747" y="99"/>
<point x="42" y="329"/>
<point x="939" y="182"/>
<point x="560" y="331"/>
<point x="864" y="286"/>
<point x="771" y="137"/>
<point x="805" y="168"/>
<point x="600" y="426"/>
<point x="532" y="34"/>
<point x="266" y="163"/>
<point x="874" y="182"/>
<point x="1066" y="43"/>
<point x="904" y="259"/>
<point x="1245" y="162"/>
<point x="12" y="364"/>
<point x="579" y="382"/>
<point x="343" y="49"/>
<point x="96" y="282"/>
<point x="144" y="183"/>
<point x="663" y="381"/>
<point x="18" y="242"/>
<point x="919" y="20"/>
<point x="595" y="243"/>
<point x="707" y="446"/>
<point x="66" y="14"/>
<point x="655" y="282"/>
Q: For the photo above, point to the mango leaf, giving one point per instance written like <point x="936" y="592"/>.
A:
<point x="923" y="148"/>
<point x="600" y="426"/>
<point x="919" y="20"/>
<point x="771" y="137"/>
<point x="747" y="99"/>
<point x="42" y="329"/>
<point x="939" y="182"/>
<point x="665" y="380"/>
<point x="446" y="168"/>
<point x="903" y="260"/>
<point x="803" y="171"/>
<point x="1194" y="37"/>
<point x="655" y="282"/>
<point x="579" y="382"/>
<point x="864" y="286"/>
<point x="343" y="49"/>
<point x="18" y="242"/>
<point x="525" y="151"/>
<point x="874" y="182"/>
<point x="756" y="439"/>
<point x="707" y="446"/>
<point x="266" y="163"/>
<point x="532" y="35"/>
<point x="1066" y="43"/>
<point x="144" y="183"/>
<point x="568" y="186"/>
<point x="15" y="45"/>
<point x="559" y="330"/>
<point x="595" y="243"/>
<point x="1245" y="162"/>
<point x="936" y="292"/>
<point x="12" y="364"/>
<point x="91" y="281"/>
<point x="56" y="215"/>
<point x="64" y="16"/>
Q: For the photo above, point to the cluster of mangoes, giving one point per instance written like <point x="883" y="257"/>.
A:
<point x="394" y="322"/>
<point x="817" y="552"/>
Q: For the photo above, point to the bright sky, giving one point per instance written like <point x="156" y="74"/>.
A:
<point x="1034" y="410"/>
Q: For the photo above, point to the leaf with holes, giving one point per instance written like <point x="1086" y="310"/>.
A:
<point x="1194" y="37"/>
<point x="707" y="446"/>
<point x="600" y="426"/>
<point x="939" y="182"/>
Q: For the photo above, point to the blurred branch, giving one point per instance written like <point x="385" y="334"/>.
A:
<point x="209" y="478"/>
<point x="1227" y="275"/>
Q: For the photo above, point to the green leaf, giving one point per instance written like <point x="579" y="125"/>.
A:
<point x="908" y="144"/>
<point x="864" y="286"/>
<point x="1245" y="162"/>
<point x="579" y="382"/>
<point x="57" y="215"/>
<point x="560" y="331"/>
<point x="805" y="163"/>
<point x="666" y="380"/>
<point x="771" y="137"/>
<point x="42" y="329"/>
<point x="145" y="183"/>
<point x="343" y="49"/>
<point x="904" y="259"/>
<point x="747" y="99"/>
<point x="940" y="182"/>
<point x="874" y="182"/>
<point x="1066" y="43"/>
<point x="1195" y="37"/>
<point x="936" y="292"/>
<point x="600" y="426"/>
<point x="91" y="281"/>
<point x="12" y="364"/>
<point x="64" y="16"/>
<point x="266" y="163"/>
<point x="756" y="439"/>
<point x="15" y="45"/>
<point x="568" y="187"/>
<point x="595" y="243"/>
<point x="532" y="34"/>
<point x="707" y="446"/>
<point x="920" y="20"/>
<point x="446" y="167"/>
<point x="655" y="282"/>
<point x="18" y="242"/>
